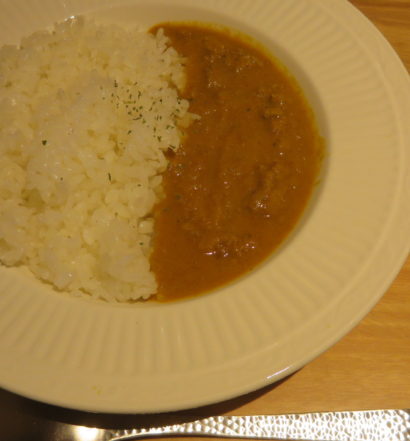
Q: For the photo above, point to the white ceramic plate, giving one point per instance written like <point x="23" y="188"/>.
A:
<point x="340" y="260"/>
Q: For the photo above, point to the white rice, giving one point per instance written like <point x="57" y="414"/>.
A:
<point x="86" y="112"/>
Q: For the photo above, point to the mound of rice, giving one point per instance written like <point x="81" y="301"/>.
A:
<point x="86" y="114"/>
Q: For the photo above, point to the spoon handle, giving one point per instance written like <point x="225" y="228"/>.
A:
<point x="373" y="425"/>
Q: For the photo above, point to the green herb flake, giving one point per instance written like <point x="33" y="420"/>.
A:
<point x="44" y="141"/>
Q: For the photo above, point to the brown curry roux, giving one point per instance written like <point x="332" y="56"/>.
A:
<point x="243" y="176"/>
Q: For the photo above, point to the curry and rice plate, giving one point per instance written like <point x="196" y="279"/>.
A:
<point x="154" y="164"/>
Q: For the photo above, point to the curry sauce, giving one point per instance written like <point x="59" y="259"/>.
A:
<point x="245" y="171"/>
